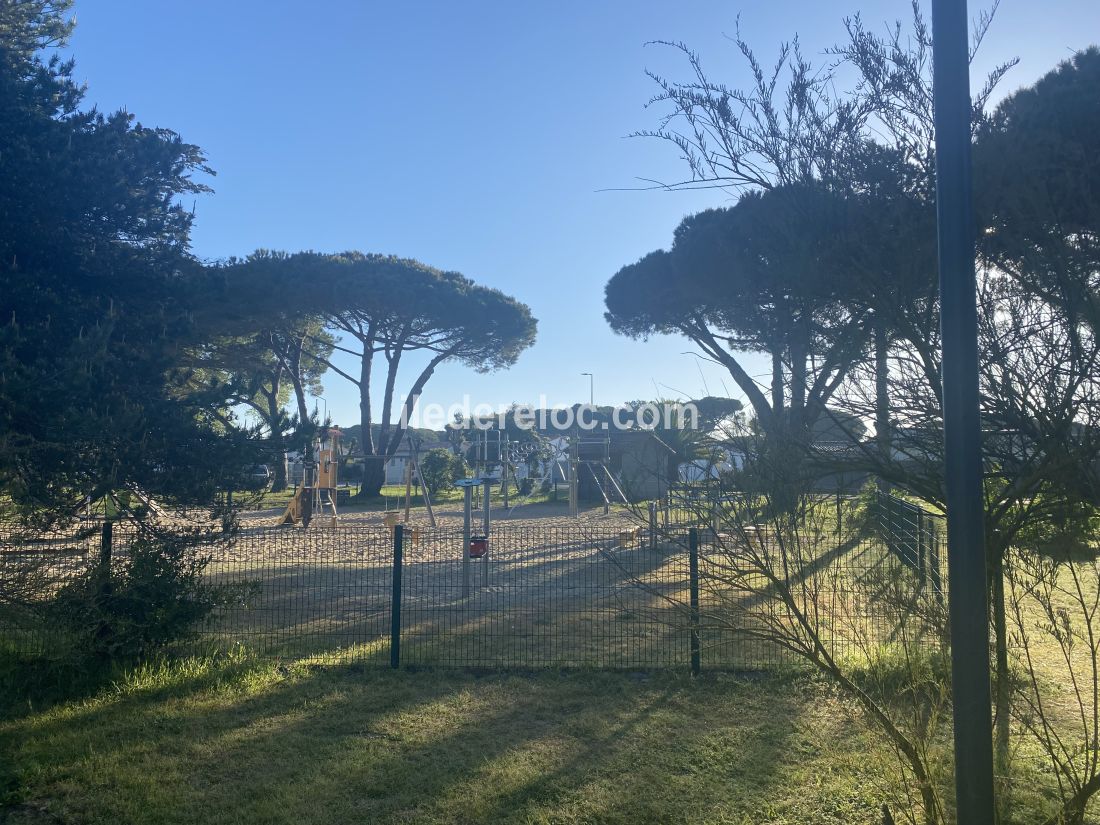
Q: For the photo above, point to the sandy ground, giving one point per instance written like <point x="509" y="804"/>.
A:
<point x="449" y="515"/>
<point x="554" y="590"/>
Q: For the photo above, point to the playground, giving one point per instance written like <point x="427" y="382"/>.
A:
<point x="535" y="648"/>
<point x="289" y="711"/>
<point x="578" y="464"/>
<point x="557" y="591"/>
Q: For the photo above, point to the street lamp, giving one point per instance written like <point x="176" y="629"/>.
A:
<point x="317" y="398"/>
<point x="591" y="391"/>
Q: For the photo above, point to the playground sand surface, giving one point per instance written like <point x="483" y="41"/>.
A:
<point x="534" y="516"/>
<point x="543" y="531"/>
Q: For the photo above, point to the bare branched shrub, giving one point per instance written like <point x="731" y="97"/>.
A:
<point x="1054" y="605"/>
<point x="803" y="577"/>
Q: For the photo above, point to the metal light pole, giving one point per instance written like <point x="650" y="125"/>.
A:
<point x="961" y="422"/>
<point x="591" y="389"/>
<point x="467" y="486"/>
<point x="487" y="483"/>
<point x="485" y="531"/>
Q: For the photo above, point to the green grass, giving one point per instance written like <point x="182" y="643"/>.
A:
<point x="234" y="741"/>
<point x="393" y="495"/>
<point x="279" y="499"/>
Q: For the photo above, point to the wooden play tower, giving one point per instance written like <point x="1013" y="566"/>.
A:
<point x="315" y="497"/>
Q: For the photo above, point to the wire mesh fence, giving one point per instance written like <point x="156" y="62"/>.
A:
<point x="312" y="591"/>
<point x="634" y="597"/>
<point x="914" y="536"/>
<point x="544" y="597"/>
<point x="34" y="565"/>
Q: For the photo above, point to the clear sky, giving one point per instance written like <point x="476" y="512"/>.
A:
<point x="473" y="136"/>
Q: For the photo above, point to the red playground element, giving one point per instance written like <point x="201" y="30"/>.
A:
<point x="479" y="546"/>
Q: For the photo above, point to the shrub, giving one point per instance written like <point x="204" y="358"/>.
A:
<point x="152" y="597"/>
<point x="440" y="469"/>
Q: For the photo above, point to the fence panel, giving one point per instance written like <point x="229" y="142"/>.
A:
<point x="914" y="535"/>
<point x="544" y="597"/>
<point x="541" y="597"/>
<point x="34" y="565"/>
<point x="307" y="591"/>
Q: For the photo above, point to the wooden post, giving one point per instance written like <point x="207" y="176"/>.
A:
<point x="693" y="590"/>
<point x="408" y="486"/>
<point x="424" y="491"/>
<point x="395" y="599"/>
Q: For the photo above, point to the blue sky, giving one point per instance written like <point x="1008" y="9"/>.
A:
<point x="473" y="136"/>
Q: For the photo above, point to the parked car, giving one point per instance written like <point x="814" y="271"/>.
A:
<point x="258" y="477"/>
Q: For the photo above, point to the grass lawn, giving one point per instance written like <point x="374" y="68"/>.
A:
<point x="246" y="742"/>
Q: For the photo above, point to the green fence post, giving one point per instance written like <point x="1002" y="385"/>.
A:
<point x="693" y="588"/>
<point x="103" y="580"/>
<point x="934" y="564"/>
<point x="922" y="562"/>
<point x="103" y="564"/>
<point x="395" y="600"/>
<point x="105" y="541"/>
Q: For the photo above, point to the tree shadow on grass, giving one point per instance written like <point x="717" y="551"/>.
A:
<point x="564" y="604"/>
<point x="32" y="684"/>
<point x="343" y="744"/>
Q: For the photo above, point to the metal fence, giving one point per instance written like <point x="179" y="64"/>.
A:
<point x="914" y="535"/>
<point x="540" y="597"/>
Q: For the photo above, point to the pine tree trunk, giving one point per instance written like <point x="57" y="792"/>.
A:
<point x="374" y="475"/>
<point x="374" y="468"/>
<point x="882" y="402"/>
<point x="280" y="473"/>
<point x="278" y="441"/>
